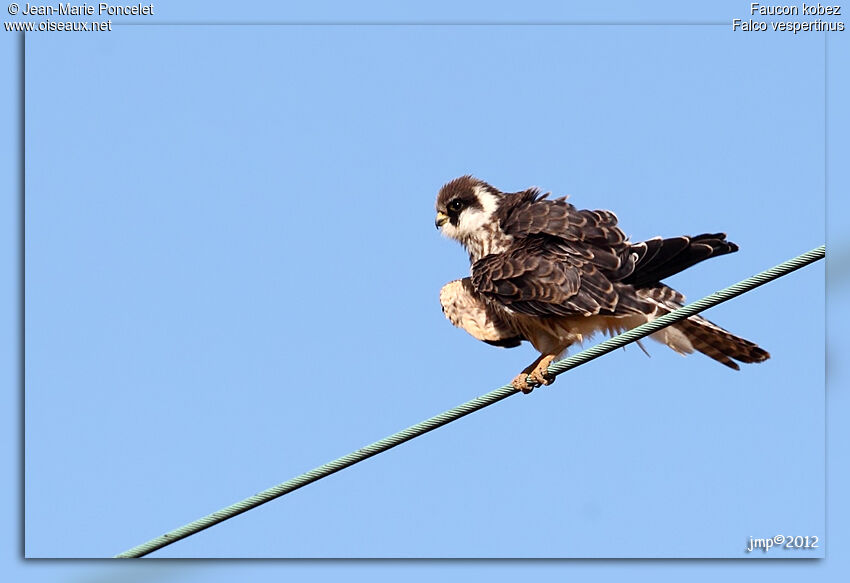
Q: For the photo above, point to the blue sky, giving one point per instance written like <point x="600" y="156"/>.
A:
<point x="232" y="277"/>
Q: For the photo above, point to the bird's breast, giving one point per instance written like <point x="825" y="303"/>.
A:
<point x="488" y="240"/>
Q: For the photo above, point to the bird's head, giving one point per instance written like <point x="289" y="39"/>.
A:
<point x="465" y="209"/>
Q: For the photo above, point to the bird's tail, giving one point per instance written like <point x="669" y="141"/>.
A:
<point x="719" y="344"/>
<point x="697" y="333"/>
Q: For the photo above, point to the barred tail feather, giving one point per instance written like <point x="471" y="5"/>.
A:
<point x="719" y="344"/>
<point x="697" y="333"/>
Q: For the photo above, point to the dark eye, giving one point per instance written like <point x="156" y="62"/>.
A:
<point x="455" y="206"/>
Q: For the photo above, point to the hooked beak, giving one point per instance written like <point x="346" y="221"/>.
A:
<point x="441" y="220"/>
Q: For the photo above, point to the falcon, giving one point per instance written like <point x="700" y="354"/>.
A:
<point x="548" y="273"/>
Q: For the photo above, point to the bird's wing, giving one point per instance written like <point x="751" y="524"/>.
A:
<point x="529" y="213"/>
<point x="466" y="309"/>
<point x="545" y="276"/>
<point x="660" y="258"/>
<point x="566" y="261"/>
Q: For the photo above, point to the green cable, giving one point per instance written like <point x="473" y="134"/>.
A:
<point x="472" y="406"/>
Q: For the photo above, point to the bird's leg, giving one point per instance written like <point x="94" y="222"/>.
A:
<point x="538" y="371"/>
<point x="541" y="374"/>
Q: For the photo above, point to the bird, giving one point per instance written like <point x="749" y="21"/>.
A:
<point x="545" y="272"/>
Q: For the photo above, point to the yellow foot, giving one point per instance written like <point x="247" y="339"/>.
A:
<point x="538" y="372"/>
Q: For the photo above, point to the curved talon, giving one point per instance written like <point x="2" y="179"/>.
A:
<point x="538" y="371"/>
<point x="541" y="374"/>
<point x="521" y="384"/>
<point x="542" y="378"/>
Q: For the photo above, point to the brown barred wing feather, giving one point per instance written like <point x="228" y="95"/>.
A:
<point x="528" y="213"/>
<point x="657" y="259"/>
<point x="537" y="278"/>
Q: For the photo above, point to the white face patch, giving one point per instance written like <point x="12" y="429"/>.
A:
<point x="450" y="231"/>
<point x="477" y="228"/>
<point x="473" y="220"/>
